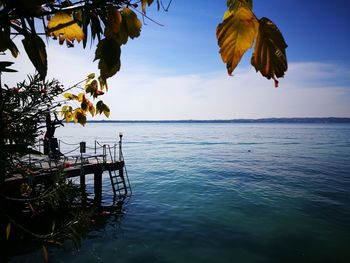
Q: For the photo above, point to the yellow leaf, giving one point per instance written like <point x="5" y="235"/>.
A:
<point x="81" y="97"/>
<point x="269" y="55"/>
<point x="68" y="115"/>
<point x="45" y="254"/>
<point x="79" y="116"/>
<point x="91" y="76"/>
<point x="235" y="35"/>
<point x="8" y="230"/>
<point x="144" y="3"/>
<point x="133" y="24"/>
<point x="84" y="104"/>
<point x="64" y="27"/>
<point x="92" y="109"/>
<point x="234" y="5"/>
<point x="70" y="96"/>
<point x="106" y="110"/>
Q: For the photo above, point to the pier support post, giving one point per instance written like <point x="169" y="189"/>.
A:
<point x="83" y="187"/>
<point x="82" y="173"/>
<point x="98" y="186"/>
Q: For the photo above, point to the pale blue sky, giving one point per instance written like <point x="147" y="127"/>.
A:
<point x="175" y="71"/>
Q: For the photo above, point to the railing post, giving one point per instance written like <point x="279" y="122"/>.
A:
<point x="104" y="154"/>
<point x="114" y="152"/>
<point x="120" y="146"/>
<point x="95" y="146"/>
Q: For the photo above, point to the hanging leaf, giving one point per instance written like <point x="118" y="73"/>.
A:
<point x="106" y="111"/>
<point x="4" y="66"/>
<point x="103" y="83"/>
<point x="79" y="116"/>
<point x="36" y="51"/>
<point x="144" y="3"/>
<point x="97" y="93"/>
<point x="67" y="112"/>
<point x="234" y="5"/>
<point x="108" y="52"/>
<point x="235" y="35"/>
<point x="91" y="76"/>
<point x="91" y="109"/>
<point x="64" y="27"/>
<point x="122" y="36"/>
<point x="114" y="22"/>
<point x="70" y="96"/>
<point x="269" y="55"/>
<point x="81" y="97"/>
<point x="7" y="43"/>
<point x="99" y="107"/>
<point x="102" y="108"/>
<point x="8" y="230"/>
<point x="132" y="22"/>
<point x="94" y="84"/>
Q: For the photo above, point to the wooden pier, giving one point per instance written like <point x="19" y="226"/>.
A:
<point x="78" y="165"/>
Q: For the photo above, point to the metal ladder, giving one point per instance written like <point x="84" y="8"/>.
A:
<point x="119" y="179"/>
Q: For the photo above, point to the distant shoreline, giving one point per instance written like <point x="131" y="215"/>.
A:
<point x="263" y="120"/>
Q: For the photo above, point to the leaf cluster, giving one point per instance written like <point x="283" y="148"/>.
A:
<point x="238" y="32"/>
<point x="84" y="106"/>
<point x="111" y="23"/>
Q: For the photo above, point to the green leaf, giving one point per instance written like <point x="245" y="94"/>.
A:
<point x="108" y="52"/>
<point x="36" y="51"/>
<point x="269" y="55"/>
<point x="4" y="66"/>
<point x="99" y="107"/>
<point x="7" y="43"/>
<point x="106" y="111"/>
<point x="234" y="5"/>
<point x="235" y="35"/>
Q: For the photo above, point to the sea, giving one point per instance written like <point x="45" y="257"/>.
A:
<point x="220" y="192"/>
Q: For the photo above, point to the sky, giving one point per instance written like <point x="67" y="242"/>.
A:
<point x="174" y="71"/>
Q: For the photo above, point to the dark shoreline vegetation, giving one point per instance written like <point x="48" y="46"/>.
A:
<point x="263" y="120"/>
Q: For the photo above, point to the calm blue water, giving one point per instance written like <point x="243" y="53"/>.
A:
<point x="223" y="193"/>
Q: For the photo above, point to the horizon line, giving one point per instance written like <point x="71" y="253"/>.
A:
<point x="270" y="119"/>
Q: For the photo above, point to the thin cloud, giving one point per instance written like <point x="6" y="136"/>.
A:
<point x="143" y="92"/>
